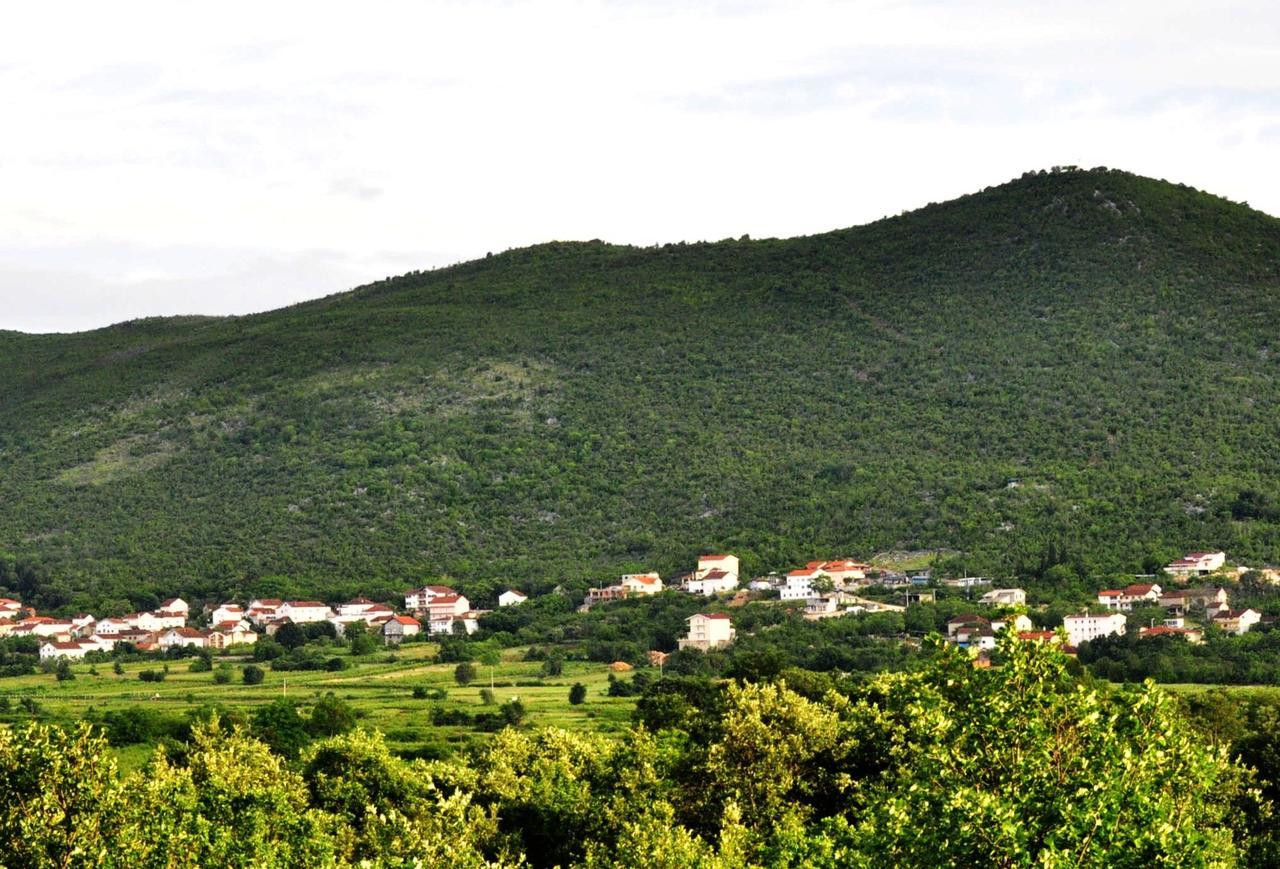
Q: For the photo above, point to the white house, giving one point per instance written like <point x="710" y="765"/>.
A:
<point x="231" y="634"/>
<point x="820" y="606"/>
<point x="41" y="626"/>
<point x="707" y="631"/>
<point x="262" y="610"/>
<point x="73" y="649"/>
<point x="158" y="620"/>
<point x="1196" y="564"/>
<point x="712" y="582"/>
<point x="1125" y="599"/>
<point x="511" y="597"/>
<point x="799" y="584"/>
<point x="1004" y="597"/>
<point x="227" y="612"/>
<point x="111" y="626"/>
<point x="708" y="563"/>
<point x="1090" y="626"/>
<point x="444" y="610"/>
<point x="420" y="598"/>
<point x="303" y="611"/>
<point x="176" y="606"/>
<point x="183" y="637"/>
<point x="641" y="583"/>
<point x="357" y="607"/>
<point x="1237" y="621"/>
<point x="82" y="624"/>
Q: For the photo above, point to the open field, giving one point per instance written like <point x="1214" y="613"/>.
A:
<point x="381" y="691"/>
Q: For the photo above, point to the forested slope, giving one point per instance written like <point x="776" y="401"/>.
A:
<point x="1074" y="368"/>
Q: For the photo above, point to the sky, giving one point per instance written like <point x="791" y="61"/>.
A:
<point x="227" y="158"/>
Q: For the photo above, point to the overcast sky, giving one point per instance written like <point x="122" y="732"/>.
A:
<point x="233" y="157"/>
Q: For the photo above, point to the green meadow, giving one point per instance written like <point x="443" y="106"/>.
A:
<point x="379" y="686"/>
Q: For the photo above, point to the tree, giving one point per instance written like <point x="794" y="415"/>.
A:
<point x="279" y="725"/>
<point x="578" y="693"/>
<point x="464" y="673"/>
<point x="291" y="636"/>
<point x="1076" y="776"/>
<point x="362" y="643"/>
<point x="253" y="675"/>
<point x="330" y="716"/>
<point x="63" y="672"/>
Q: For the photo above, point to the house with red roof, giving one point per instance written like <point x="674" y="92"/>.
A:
<point x="418" y="599"/>
<point x="397" y="628"/>
<point x="712" y="582"/>
<point x="1196" y="564"/>
<point x="189" y="637"/>
<point x="1191" y="635"/>
<point x="641" y="583"/>
<point x="1125" y="599"/>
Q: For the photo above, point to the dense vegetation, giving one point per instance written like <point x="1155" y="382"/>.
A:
<point x="950" y="765"/>
<point x="1072" y="373"/>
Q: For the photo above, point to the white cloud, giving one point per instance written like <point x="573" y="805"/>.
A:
<point x="181" y="158"/>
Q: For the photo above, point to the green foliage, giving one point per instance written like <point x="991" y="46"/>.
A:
<point x="252" y="674"/>
<point x="464" y="673"/>
<point x="577" y="694"/>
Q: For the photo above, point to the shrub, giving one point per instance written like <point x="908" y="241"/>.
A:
<point x="577" y="693"/>
<point x="152" y="676"/>
<point x="253" y="675"/>
<point x="464" y="673"/>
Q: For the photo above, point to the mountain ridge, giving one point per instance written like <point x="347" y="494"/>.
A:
<point x="567" y="410"/>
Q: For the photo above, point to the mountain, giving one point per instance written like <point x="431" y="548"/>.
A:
<point x="1074" y="372"/>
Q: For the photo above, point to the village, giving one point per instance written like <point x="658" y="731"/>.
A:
<point x="820" y="590"/>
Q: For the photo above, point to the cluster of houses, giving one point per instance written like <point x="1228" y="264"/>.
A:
<point x="1209" y="604"/>
<point x="826" y="587"/>
<point x="229" y="624"/>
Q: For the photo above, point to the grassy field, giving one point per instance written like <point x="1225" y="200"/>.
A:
<point x="380" y="689"/>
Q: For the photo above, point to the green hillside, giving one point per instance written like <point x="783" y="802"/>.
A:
<point x="1076" y="368"/>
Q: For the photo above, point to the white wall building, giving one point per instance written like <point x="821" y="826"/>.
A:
<point x="641" y="583"/>
<point x="511" y="597"/>
<point x="1090" y="626"/>
<point x="709" y="563"/>
<point x="711" y="583"/>
<point x="303" y="611"/>
<point x="1004" y="597"/>
<point x="707" y="631"/>
<point x="420" y="598"/>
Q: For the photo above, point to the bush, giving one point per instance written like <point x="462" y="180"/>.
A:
<point x="222" y="675"/>
<point x="486" y="696"/>
<point x="63" y="672"/>
<point x="464" y="673"/>
<point x="201" y="665"/>
<point x="577" y="693"/>
<point x="253" y="675"/>
<point x="553" y="665"/>
<point x="513" y="711"/>
<point x="152" y="676"/>
<point x="267" y="649"/>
